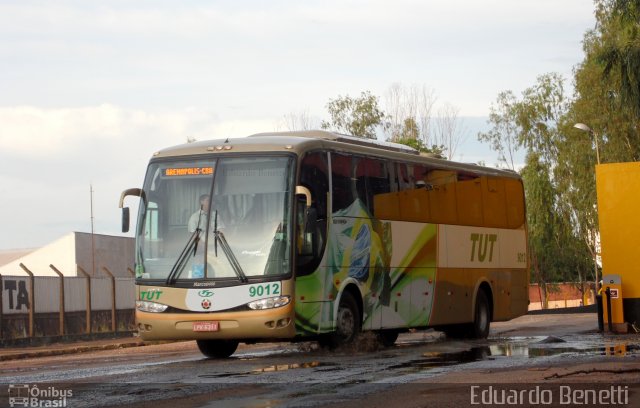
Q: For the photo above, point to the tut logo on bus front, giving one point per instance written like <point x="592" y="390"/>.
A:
<point x="485" y="244"/>
<point x="151" y="294"/>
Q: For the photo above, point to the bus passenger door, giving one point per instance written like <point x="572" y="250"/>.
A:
<point x="314" y="289"/>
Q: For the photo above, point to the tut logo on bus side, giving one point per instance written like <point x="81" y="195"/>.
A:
<point x="483" y="241"/>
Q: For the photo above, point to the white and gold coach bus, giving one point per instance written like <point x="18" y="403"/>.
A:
<point x="317" y="235"/>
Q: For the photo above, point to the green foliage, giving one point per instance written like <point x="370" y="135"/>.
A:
<point x="558" y="241"/>
<point x="419" y="145"/>
<point x="503" y="136"/>
<point x="410" y="135"/>
<point x="559" y="173"/>
<point x="410" y="129"/>
<point x="608" y="78"/>
<point x="362" y="116"/>
<point x="619" y="51"/>
<point x="355" y="116"/>
<point x="542" y="218"/>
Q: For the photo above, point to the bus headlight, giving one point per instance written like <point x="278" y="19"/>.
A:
<point x="151" y="307"/>
<point x="269" y="303"/>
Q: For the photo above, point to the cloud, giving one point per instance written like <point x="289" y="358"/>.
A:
<point x="91" y="89"/>
<point x="48" y="132"/>
<point x="49" y="158"/>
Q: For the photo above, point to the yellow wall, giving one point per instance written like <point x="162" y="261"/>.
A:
<point x="618" y="187"/>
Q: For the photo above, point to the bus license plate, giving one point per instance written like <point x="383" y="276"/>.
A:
<point x="206" y="326"/>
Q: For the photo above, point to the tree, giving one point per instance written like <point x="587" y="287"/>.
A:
<point x="409" y="113"/>
<point x="355" y="116"/>
<point x="503" y="136"/>
<point x="362" y="117"/>
<point x="605" y="84"/>
<point x="558" y="222"/>
<point x="449" y="133"/>
<point x="560" y="159"/>
<point x="297" y="121"/>
<point x="619" y="32"/>
<point x="542" y="219"/>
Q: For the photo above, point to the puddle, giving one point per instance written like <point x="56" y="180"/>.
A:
<point x="531" y="350"/>
<point x="621" y="350"/>
<point x="433" y="359"/>
<point x="546" y="349"/>
<point x="268" y="369"/>
<point x="285" y="367"/>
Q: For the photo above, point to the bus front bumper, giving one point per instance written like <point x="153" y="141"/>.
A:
<point x="277" y="323"/>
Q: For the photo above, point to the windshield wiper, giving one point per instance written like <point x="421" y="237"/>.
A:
<point x="219" y="237"/>
<point x="181" y="262"/>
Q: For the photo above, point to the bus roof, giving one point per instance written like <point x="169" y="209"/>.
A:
<point x="301" y="141"/>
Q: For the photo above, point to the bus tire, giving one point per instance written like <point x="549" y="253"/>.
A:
<point x="387" y="337"/>
<point x="348" y="323"/>
<point x="217" y="348"/>
<point x="482" y="317"/>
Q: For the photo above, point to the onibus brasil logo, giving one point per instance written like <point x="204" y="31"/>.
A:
<point x="24" y="395"/>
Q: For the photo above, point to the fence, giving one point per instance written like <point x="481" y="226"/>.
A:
<point x="45" y="306"/>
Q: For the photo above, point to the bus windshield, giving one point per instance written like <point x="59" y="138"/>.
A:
<point x="224" y="218"/>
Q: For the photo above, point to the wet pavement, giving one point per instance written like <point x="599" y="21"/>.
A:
<point x="534" y="349"/>
<point x="54" y="349"/>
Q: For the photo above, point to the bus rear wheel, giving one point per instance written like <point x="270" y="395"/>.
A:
<point x="348" y="323"/>
<point x="217" y="348"/>
<point x="482" y="317"/>
<point x="479" y="328"/>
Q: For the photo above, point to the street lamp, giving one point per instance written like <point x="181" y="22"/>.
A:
<point x="587" y="129"/>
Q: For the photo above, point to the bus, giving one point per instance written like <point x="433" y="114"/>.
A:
<point x="314" y="235"/>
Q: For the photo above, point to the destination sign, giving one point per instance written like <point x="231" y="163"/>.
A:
<point x="187" y="171"/>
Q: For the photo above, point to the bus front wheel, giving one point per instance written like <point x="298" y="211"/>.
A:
<point x="348" y="323"/>
<point x="217" y="348"/>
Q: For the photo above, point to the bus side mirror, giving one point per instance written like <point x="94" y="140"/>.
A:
<point x="125" y="219"/>
<point x="138" y="192"/>
<point x="303" y="191"/>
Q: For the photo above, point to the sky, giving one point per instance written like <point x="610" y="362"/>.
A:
<point x="90" y="89"/>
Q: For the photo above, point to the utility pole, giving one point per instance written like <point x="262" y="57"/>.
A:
<point x="93" y="243"/>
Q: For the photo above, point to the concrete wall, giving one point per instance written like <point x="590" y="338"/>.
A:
<point x="116" y="253"/>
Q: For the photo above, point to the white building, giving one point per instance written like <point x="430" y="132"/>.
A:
<point x="76" y="250"/>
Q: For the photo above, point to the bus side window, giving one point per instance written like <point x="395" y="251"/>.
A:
<point x="361" y="164"/>
<point x="377" y="181"/>
<point x="420" y="177"/>
<point x="403" y="177"/>
<point x="343" y="191"/>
